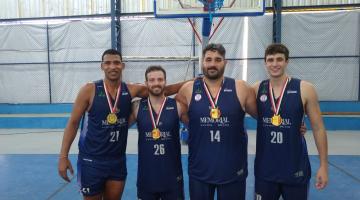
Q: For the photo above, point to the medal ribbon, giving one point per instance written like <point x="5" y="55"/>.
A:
<point x="212" y="101"/>
<point x="276" y="107"/>
<point x="155" y="123"/>
<point x="112" y="108"/>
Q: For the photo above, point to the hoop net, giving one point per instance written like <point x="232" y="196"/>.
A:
<point x="212" y="5"/>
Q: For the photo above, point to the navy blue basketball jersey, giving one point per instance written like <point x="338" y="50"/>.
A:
<point x="281" y="152"/>
<point x="98" y="137"/>
<point x="217" y="147"/>
<point x="159" y="160"/>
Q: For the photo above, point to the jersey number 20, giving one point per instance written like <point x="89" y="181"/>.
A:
<point x="276" y="137"/>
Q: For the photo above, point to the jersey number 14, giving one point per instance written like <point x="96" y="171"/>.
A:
<point x="215" y="136"/>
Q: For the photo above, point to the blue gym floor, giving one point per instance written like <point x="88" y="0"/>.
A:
<point x="32" y="174"/>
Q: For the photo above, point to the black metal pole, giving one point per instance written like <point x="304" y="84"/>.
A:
<point x="193" y="39"/>
<point x="277" y="6"/>
<point x="48" y="60"/>
<point x="359" y="57"/>
<point x="113" y="25"/>
<point x="118" y="24"/>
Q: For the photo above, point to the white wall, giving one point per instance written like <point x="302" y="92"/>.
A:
<point x="75" y="52"/>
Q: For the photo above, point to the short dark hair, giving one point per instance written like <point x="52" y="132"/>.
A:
<point x="275" y="48"/>
<point x="154" y="68"/>
<point x="111" y="52"/>
<point x="214" y="47"/>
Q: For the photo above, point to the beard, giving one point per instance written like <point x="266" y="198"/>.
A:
<point x="215" y="74"/>
<point x="156" y="91"/>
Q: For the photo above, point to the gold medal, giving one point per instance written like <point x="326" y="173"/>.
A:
<point x="155" y="133"/>
<point x="111" y="118"/>
<point x="215" y="113"/>
<point x="276" y="120"/>
<point x="155" y="123"/>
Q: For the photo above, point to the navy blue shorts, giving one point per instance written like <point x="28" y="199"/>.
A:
<point x="93" y="173"/>
<point x="205" y="191"/>
<point x="177" y="193"/>
<point x="265" y="190"/>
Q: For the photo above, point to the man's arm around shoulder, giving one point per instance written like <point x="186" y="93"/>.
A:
<point x="185" y="93"/>
<point x="134" y="111"/>
<point x="246" y="97"/>
<point x="140" y="90"/>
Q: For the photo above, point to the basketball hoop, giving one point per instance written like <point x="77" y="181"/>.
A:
<point x="202" y="8"/>
<point x="211" y="6"/>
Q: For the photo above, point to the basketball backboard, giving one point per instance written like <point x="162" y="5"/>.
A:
<point x="195" y="8"/>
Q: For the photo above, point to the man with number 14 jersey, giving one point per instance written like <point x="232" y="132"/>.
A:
<point x="217" y="137"/>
